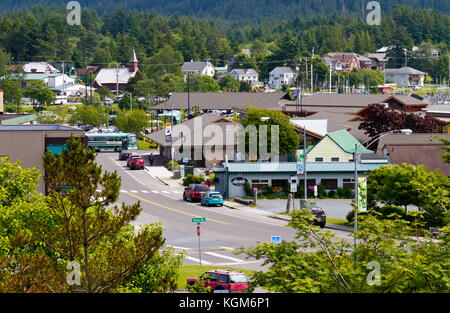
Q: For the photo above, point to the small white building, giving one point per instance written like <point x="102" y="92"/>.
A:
<point x="201" y="68"/>
<point x="280" y="76"/>
<point x="40" y="68"/>
<point x="248" y="75"/>
<point x="404" y="77"/>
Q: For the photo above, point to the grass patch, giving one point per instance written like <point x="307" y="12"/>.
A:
<point x="143" y="145"/>
<point x="187" y="271"/>
<point x="338" y="221"/>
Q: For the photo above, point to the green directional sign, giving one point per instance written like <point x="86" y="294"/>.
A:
<point x="198" y="219"/>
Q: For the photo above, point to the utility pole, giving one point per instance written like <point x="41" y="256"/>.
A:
<point x="355" y="224"/>
<point x="189" y="92"/>
<point x="117" y="79"/>
<point x="330" y="78"/>
<point x="131" y="102"/>
<point x="312" y="75"/>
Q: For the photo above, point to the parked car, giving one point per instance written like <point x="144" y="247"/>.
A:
<point x="321" y="218"/>
<point x="136" y="162"/>
<point x="130" y="157"/>
<point x="212" y="198"/>
<point x="124" y="155"/>
<point x="194" y="192"/>
<point x="223" y="280"/>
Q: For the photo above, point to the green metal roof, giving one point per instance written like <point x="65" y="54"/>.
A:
<point x="347" y="142"/>
<point x="20" y="120"/>
<point x="291" y="167"/>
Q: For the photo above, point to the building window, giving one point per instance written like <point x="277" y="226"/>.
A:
<point x="334" y="159"/>
<point x="261" y="184"/>
<point x="348" y="183"/>
<point x="329" y="184"/>
<point x="319" y="159"/>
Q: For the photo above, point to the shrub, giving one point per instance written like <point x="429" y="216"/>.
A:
<point x="390" y="209"/>
<point x="331" y="193"/>
<point x="269" y="190"/>
<point x="191" y="179"/>
<point x="321" y="191"/>
<point x="345" y="193"/>
<point x="169" y="165"/>
<point x="351" y="215"/>
<point x="247" y="190"/>
<point x="277" y="189"/>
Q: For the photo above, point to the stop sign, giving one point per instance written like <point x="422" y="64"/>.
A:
<point x="198" y="230"/>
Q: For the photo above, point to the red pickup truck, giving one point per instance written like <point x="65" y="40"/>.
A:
<point x="223" y="281"/>
<point x="194" y="192"/>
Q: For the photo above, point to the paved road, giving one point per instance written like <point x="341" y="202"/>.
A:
<point x="225" y="229"/>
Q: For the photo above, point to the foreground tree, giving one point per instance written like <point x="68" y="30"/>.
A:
<point x="39" y="92"/>
<point x="76" y="239"/>
<point x="411" y="185"/>
<point x="318" y="262"/>
<point x="88" y="230"/>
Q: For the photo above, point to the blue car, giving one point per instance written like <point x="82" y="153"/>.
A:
<point x="212" y="198"/>
<point x="124" y="155"/>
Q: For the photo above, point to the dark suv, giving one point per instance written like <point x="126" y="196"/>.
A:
<point x="320" y="217"/>
<point x="194" y="192"/>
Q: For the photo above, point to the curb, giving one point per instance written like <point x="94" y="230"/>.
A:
<point x="162" y="181"/>
<point x="229" y="206"/>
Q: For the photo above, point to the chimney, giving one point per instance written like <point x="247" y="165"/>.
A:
<point x="133" y="62"/>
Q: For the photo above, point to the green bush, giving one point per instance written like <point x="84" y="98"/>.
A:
<point x="247" y="190"/>
<point x="175" y="165"/>
<point x="390" y="209"/>
<point x="345" y="193"/>
<point x="351" y="215"/>
<point x="269" y="190"/>
<point x="321" y="193"/>
<point x="191" y="179"/>
<point x="331" y="193"/>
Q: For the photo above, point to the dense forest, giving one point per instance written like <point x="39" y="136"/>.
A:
<point x="162" y="42"/>
<point x="239" y="10"/>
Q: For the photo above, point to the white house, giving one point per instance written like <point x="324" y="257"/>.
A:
<point x="281" y="76"/>
<point x="336" y="65"/>
<point x="201" y="68"/>
<point x="248" y="75"/>
<point x="404" y="77"/>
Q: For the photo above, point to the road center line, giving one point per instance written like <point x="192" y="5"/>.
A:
<point x="172" y="209"/>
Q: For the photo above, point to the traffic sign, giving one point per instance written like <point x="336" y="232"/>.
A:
<point x="276" y="239"/>
<point x="198" y="230"/>
<point x="293" y="187"/>
<point x="198" y="219"/>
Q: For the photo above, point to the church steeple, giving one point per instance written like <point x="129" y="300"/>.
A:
<point x="133" y="62"/>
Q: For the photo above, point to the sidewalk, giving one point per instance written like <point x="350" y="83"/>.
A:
<point x="242" y="207"/>
<point x="163" y="175"/>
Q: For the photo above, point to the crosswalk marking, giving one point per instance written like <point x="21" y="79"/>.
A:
<point x="197" y="260"/>
<point x="134" y="191"/>
<point x="224" y="257"/>
<point x="165" y="191"/>
<point x="144" y="191"/>
<point x="155" y="191"/>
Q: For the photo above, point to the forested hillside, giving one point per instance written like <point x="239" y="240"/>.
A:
<point x="239" y="10"/>
<point x="162" y="43"/>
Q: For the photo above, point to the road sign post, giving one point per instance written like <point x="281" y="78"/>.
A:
<point x="199" y="220"/>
